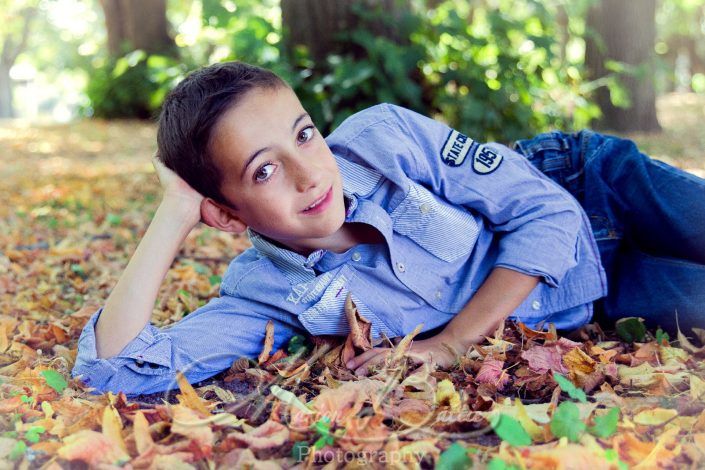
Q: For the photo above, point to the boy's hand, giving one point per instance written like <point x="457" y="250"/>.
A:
<point x="176" y="190"/>
<point x="437" y="350"/>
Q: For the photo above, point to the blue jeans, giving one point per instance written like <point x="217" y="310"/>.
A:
<point x="648" y="219"/>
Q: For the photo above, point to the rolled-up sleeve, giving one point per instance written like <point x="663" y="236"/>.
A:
<point x="536" y="220"/>
<point x="202" y="344"/>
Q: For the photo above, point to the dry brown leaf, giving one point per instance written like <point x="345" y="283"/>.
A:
<point x="268" y="342"/>
<point x="188" y="423"/>
<point x="269" y="435"/>
<point x="189" y="397"/>
<point x="492" y="372"/>
<point x="93" y="448"/>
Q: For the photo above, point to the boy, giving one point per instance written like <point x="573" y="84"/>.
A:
<point x="417" y="221"/>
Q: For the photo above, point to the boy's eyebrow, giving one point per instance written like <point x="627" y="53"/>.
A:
<point x="264" y="149"/>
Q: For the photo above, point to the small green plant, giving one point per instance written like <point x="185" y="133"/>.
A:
<point x="54" y="380"/>
<point x="566" y="421"/>
<point x="510" y="430"/>
<point x="322" y="428"/>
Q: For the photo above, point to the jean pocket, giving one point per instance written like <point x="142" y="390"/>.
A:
<point x="551" y="154"/>
<point x="603" y="228"/>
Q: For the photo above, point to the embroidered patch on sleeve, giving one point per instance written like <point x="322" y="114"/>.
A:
<point x="456" y="148"/>
<point x="486" y="161"/>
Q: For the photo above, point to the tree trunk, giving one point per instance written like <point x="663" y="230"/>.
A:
<point x="6" y="108"/>
<point x="624" y="31"/>
<point x="318" y="24"/>
<point x="11" y="48"/>
<point x="136" y="24"/>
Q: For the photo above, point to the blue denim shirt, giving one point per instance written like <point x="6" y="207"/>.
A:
<point x="450" y="210"/>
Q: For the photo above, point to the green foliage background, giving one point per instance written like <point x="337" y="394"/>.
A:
<point x="500" y="70"/>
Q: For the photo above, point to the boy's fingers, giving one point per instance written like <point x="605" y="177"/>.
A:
<point x="364" y="357"/>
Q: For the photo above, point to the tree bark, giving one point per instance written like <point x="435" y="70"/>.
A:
<point x="136" y="24"/>
<point x="624" y="31"/>
<point x="318" y="24"/>
<point x="11" y="48"/>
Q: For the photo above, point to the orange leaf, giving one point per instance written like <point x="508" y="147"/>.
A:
<point x="187" y="423"/>
<point x="92" y="448"/>
<point x="269" y="435"/>
<point x="189" y="397"/>
<point x="268" y="342"/>
<point x="367" y="434"/>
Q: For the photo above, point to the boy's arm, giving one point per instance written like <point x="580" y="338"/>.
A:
<point x="501" y="293"/>
<point x="129" y="306"/>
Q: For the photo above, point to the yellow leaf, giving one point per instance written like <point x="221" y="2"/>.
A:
<point x="112" y="427"/>
<point x="578" y="362"/>
<point x="697" y="388"/>
<point x="445" y="393"/>
<point x="655" y="417"/>
<point x="189" y="397"/>
<point x="143" y="438"/>
<point x="534" y="430"/>
<point x="668" y="355"/>
<point x="661" y="454"/>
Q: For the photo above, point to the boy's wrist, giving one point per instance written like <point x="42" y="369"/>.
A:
<point x="179" y="211"/>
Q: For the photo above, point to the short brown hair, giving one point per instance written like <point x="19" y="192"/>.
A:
<point x="191" y="111"/>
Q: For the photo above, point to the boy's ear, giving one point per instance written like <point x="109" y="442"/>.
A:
<point x="220" y="217"/>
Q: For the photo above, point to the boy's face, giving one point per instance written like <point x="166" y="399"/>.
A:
<point x="276" y="166"/>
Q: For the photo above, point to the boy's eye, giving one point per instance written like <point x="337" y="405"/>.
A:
<point x="264" y="172"/>
<point x="305" y="135"/>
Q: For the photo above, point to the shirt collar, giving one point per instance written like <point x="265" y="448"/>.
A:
<point x="296" y="268"/>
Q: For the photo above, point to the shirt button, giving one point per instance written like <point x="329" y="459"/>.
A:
<point x="356" y="256"/>
<point x="425" y="208"/>
<point x="536" y="305"/>
<point x="400" y="267"/>
<point x="139" y="363"/>
<point x="438" y="294"/>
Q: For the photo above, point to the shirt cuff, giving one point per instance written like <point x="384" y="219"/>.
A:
<point x="149" y="347"/>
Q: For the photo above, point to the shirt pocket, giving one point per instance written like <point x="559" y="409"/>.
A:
<point x="446" y="231"/>
<point x="327" y="315"/>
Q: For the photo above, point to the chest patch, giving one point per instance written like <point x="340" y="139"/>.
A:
<point x="457" y="148"/>
<point x="486" y="161"/>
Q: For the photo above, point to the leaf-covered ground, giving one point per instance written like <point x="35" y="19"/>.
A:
<point x="74" y="202"/>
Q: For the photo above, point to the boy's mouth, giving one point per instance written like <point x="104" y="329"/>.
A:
<point x="320" y="204"/>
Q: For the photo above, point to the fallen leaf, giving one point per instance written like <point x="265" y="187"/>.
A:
<point x="93" y="448"/>
<point x="655" y="416"/>
<point x="447" y="395"/>
<point x="268" y="342"/>
<point x="269" y="435"/>
<point x="543" y="359"/>
<point x="188" y="423"/>
<point x="189" y="397"/>
<point x="112" y="427"/>
<point x="492" y="372"/>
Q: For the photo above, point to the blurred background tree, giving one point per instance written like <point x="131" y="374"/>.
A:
<point x="496" y="69"/>
<point x="621" y="38"/>
<point x="16" y="24"/>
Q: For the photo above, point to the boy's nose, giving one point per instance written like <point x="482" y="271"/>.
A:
<point x="307" y="176"/>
